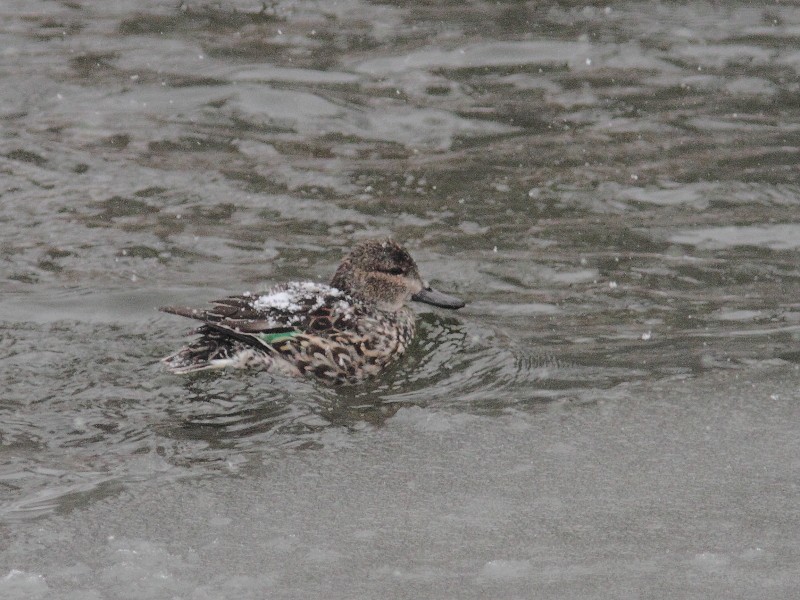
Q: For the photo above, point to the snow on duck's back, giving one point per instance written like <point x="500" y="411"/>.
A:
<point x="296" y="297"/>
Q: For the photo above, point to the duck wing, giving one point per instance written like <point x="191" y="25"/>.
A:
<point x="295" y="307"/>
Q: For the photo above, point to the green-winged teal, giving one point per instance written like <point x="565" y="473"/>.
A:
<point x="342" y="332"/>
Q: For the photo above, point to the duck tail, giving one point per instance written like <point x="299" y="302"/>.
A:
<point x="191" y="360"/>
<point x="212" y="352"/>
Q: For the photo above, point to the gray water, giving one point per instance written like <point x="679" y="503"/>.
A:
<point x="612" y="189"/>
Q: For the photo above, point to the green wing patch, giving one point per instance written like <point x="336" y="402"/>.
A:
<point x="272" y="338"/>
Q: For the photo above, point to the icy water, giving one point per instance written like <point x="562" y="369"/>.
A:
<point x="612" y="189"/>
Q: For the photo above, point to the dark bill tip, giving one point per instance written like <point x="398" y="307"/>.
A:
<point x="431" y="296"/>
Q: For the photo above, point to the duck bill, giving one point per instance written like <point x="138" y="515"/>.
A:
<point x="430" y="296"/>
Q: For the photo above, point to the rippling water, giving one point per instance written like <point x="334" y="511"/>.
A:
<point x="613" y="190"/>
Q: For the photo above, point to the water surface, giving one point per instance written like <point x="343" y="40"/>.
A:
<point x="612" y="189"/>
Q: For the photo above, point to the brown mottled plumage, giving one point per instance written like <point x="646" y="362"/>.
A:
<point x="342" y="332"/>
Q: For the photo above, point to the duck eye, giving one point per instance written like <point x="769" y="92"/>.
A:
<point x="395" y="271"/>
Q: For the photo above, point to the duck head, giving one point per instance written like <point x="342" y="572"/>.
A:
<point x="382" y="272"/>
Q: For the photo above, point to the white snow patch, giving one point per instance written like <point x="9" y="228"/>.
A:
<point x="293" y="296"/>
<point x="279" y="300"/>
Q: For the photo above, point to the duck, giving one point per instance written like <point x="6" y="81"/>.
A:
<point x="342" y="332"/>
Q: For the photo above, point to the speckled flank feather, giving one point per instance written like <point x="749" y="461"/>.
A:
<point x="324" y="333"/>
<point x="339" y="334"/>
